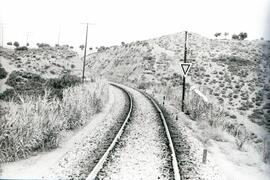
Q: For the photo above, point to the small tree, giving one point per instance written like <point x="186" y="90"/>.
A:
<point x="226" y="34"/>
<point x="123" y="43"/>
<point x="242" y="35"/>
<point x="90" y="48"/>
<point x="81" y="47"/>
<point x="27" y="44"/>
<point x="217" y="34"/>
<point x="16" y="44"/>
<point x="9" y="43"/>
<point x="235" y="37"/>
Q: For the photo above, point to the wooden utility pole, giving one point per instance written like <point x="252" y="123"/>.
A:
<point x="27" y="36"/>
<point x="2" y="33"/>
<point x="58" y="38"/>
<point x="184" y="78"/>
<point x="84" y="57"/>
<point x="85" y="48"/>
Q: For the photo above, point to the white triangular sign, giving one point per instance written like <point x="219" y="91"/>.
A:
<point x="185" y="68"/>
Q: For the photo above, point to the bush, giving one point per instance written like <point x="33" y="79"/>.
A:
<point x="81" y="47"/>
<point x="23" y="48"/>
<point x="57" y="85"/>
<point x="16" y="44"/>
<point x="143" y="85"/>
<point x="25" y="83"/>
<point x="43" y="45"/>
<point x="235" y="37"/>
<point x="242" y="35"/>
<point x="217" y="34"/>
<point x="3" y="72"/>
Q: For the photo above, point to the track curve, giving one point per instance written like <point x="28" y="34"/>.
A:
<point x="130" y="132"/>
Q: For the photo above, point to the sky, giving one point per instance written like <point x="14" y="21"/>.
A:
<point x="115" y="21"/>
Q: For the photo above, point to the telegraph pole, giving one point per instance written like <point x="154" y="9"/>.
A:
<point x="84" y="57"/>
<point x="2" y="33"/>
<point x="184" y="78"/>
<point x="85" y="48"/>
<point x="58" y="38"/>
<point x="27" y="36"/>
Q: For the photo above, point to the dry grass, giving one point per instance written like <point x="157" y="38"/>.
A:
<point x="213" y="121"/>
<point x="36" y="123"/>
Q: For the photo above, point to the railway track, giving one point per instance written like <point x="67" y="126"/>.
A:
<point x="142" y="148"/>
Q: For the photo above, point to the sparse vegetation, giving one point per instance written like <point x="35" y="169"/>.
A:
<point x="81" y="47"/>
<point x="217" y="34"/>
<point x="235" y="37"/>
<point x="25" y="83"/>
<point x="240" y="36"/>
<point x="37" y="122"/>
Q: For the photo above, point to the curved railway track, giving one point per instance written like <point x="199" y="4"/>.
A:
<point x="124" y="136"/>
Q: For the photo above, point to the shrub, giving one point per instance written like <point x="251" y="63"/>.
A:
<point x="143" y="85"/>
<point x="25" y="83"/>
<point x="217" y="34"/>
<point x="57" y="85"/>
<point x="23" y="48"/>
<point x="3" y="72"/>
<point x="235" y="37"/>
<point x="43" y="45"/>
<point x="81" y="47"/>
<point x="242" y="35"/>
<point x="9" y="43"/>
<point x="52" y="71"/>
<point x="16" y="44"/>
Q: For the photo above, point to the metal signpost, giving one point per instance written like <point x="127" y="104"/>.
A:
<point x="185" y="68"/>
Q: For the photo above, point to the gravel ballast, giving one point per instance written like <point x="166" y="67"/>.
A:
<point x="142" y="151"/>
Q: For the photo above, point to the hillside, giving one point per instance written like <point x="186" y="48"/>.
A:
<point x="233" y="74"/>
<point x="44" y="62"/>
<point x="232" y="124"/>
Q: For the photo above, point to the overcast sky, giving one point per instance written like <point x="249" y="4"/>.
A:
<point x="129" y="20"/>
